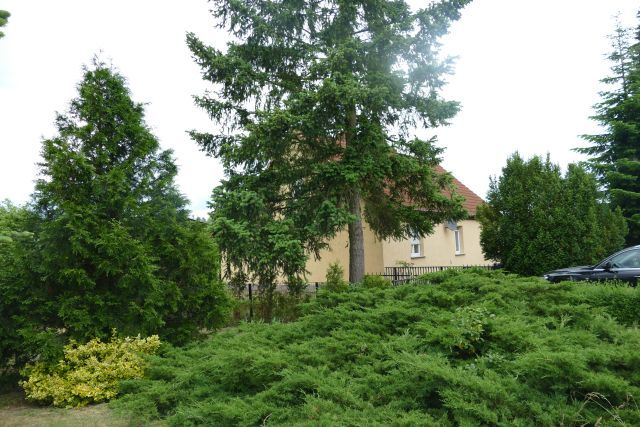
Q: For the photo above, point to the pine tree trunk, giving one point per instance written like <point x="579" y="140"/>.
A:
<point x="356" y="240"/>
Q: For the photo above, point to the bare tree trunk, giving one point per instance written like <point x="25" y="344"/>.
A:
<point x="356" y="240"/>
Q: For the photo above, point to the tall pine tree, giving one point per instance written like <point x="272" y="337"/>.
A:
<point x="615" y="154"/>
<point x="116" y="245"/>
<point x="317" y="100"/>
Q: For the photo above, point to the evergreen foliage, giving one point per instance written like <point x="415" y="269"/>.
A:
<point x="471" y="348"/>
<point x="107" y="242"/>
<point x="334" y="280"/>
<point x="375" y="281"/>
<point x="316" y="100"/>
<point x="536" y="220"/>
<point x="23" y="304"/>
<point x="615" y="154"/>
<point x="4" y="17"/>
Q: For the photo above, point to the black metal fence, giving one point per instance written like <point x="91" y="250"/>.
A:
<point x="251" y="289"/>
<point x="397" y="275"/>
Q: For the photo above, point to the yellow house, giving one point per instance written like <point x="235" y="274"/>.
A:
<point x="450" y="244"/>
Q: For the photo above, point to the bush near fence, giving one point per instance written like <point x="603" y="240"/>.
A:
<point x="402" y="273"/>
<point x="280" y="305"/>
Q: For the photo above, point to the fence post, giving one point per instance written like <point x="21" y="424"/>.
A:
<point x="317" y="288"/>
<point x="395" y="274"/>
<point x="250" y="304"/>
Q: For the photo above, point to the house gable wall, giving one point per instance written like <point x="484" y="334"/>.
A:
<point x="438" y="248"/>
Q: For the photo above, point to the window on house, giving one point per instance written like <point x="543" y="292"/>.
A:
<point x="416" y="245"/>
<point x="457" y="236"/>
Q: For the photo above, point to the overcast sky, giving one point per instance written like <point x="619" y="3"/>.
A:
<point x="527" y="75"/>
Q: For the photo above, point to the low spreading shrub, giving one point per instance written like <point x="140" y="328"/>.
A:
<point x="375" y="281"/>
<point x="471" y="348"/>
<point x="89" y="372"/>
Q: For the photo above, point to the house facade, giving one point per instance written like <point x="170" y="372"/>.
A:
<point x="450" y="244"/>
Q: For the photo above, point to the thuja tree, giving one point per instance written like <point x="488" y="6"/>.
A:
<point x="615" y="153"/>
<point x="317" y="99"/>
<point x="23" y="303"/>
<point x="116" y="246"/>
<point x="536" y="219"/>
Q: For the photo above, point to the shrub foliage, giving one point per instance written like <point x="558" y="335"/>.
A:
<point x="375" y="281"/>
<point x="536" y="220"/>
<point x="90" y="372"/>
<point x="334" y="281"/>
<point x="107" y="241"/>
<point x="116" y="245"/>
<point x="472" y="348"/>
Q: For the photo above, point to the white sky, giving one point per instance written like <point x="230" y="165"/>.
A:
<point x="527" y="75"/>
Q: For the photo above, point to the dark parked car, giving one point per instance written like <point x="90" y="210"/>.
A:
<point x="623" y="265"/>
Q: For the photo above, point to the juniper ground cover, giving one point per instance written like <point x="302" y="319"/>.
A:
<point x="471" y="348"/>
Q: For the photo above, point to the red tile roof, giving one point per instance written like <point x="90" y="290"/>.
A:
<point x="472" y="200"/>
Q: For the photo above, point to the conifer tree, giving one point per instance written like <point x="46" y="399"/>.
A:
<point x="4" y="17"/>
<point x="317" y="100"/>
<point x="536" y="220"/>
<point x="116" y="245"/>
<point x="615" y="154"/>
<point x="21" y="302"/>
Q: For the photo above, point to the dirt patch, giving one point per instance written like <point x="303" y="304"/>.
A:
<point x="16" y="412"/>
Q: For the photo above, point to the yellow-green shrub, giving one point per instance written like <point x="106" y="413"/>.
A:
<point x="89" y="372"/>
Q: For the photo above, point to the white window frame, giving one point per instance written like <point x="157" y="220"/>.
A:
<point x="416" y="243"/>
<point x="457" y="240"/>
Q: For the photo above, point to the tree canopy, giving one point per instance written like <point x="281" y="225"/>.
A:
<point x="317" y="101"/>
<point x="615" y="153"/>
<point x="536" y="220"/>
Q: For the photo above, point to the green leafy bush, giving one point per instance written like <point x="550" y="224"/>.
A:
<point x="375" y="281"/>
<point x="119" y="249"/>
<point x="116" y="249"/>
<point x="536" y="219"/>
<point x="477" y="348"/>
<point x="334" y="281"/>
<point x="296" y="286"/>
<point x="89" y="372"/>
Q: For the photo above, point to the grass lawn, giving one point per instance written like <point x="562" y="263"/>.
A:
<point x="16" y="412"/>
